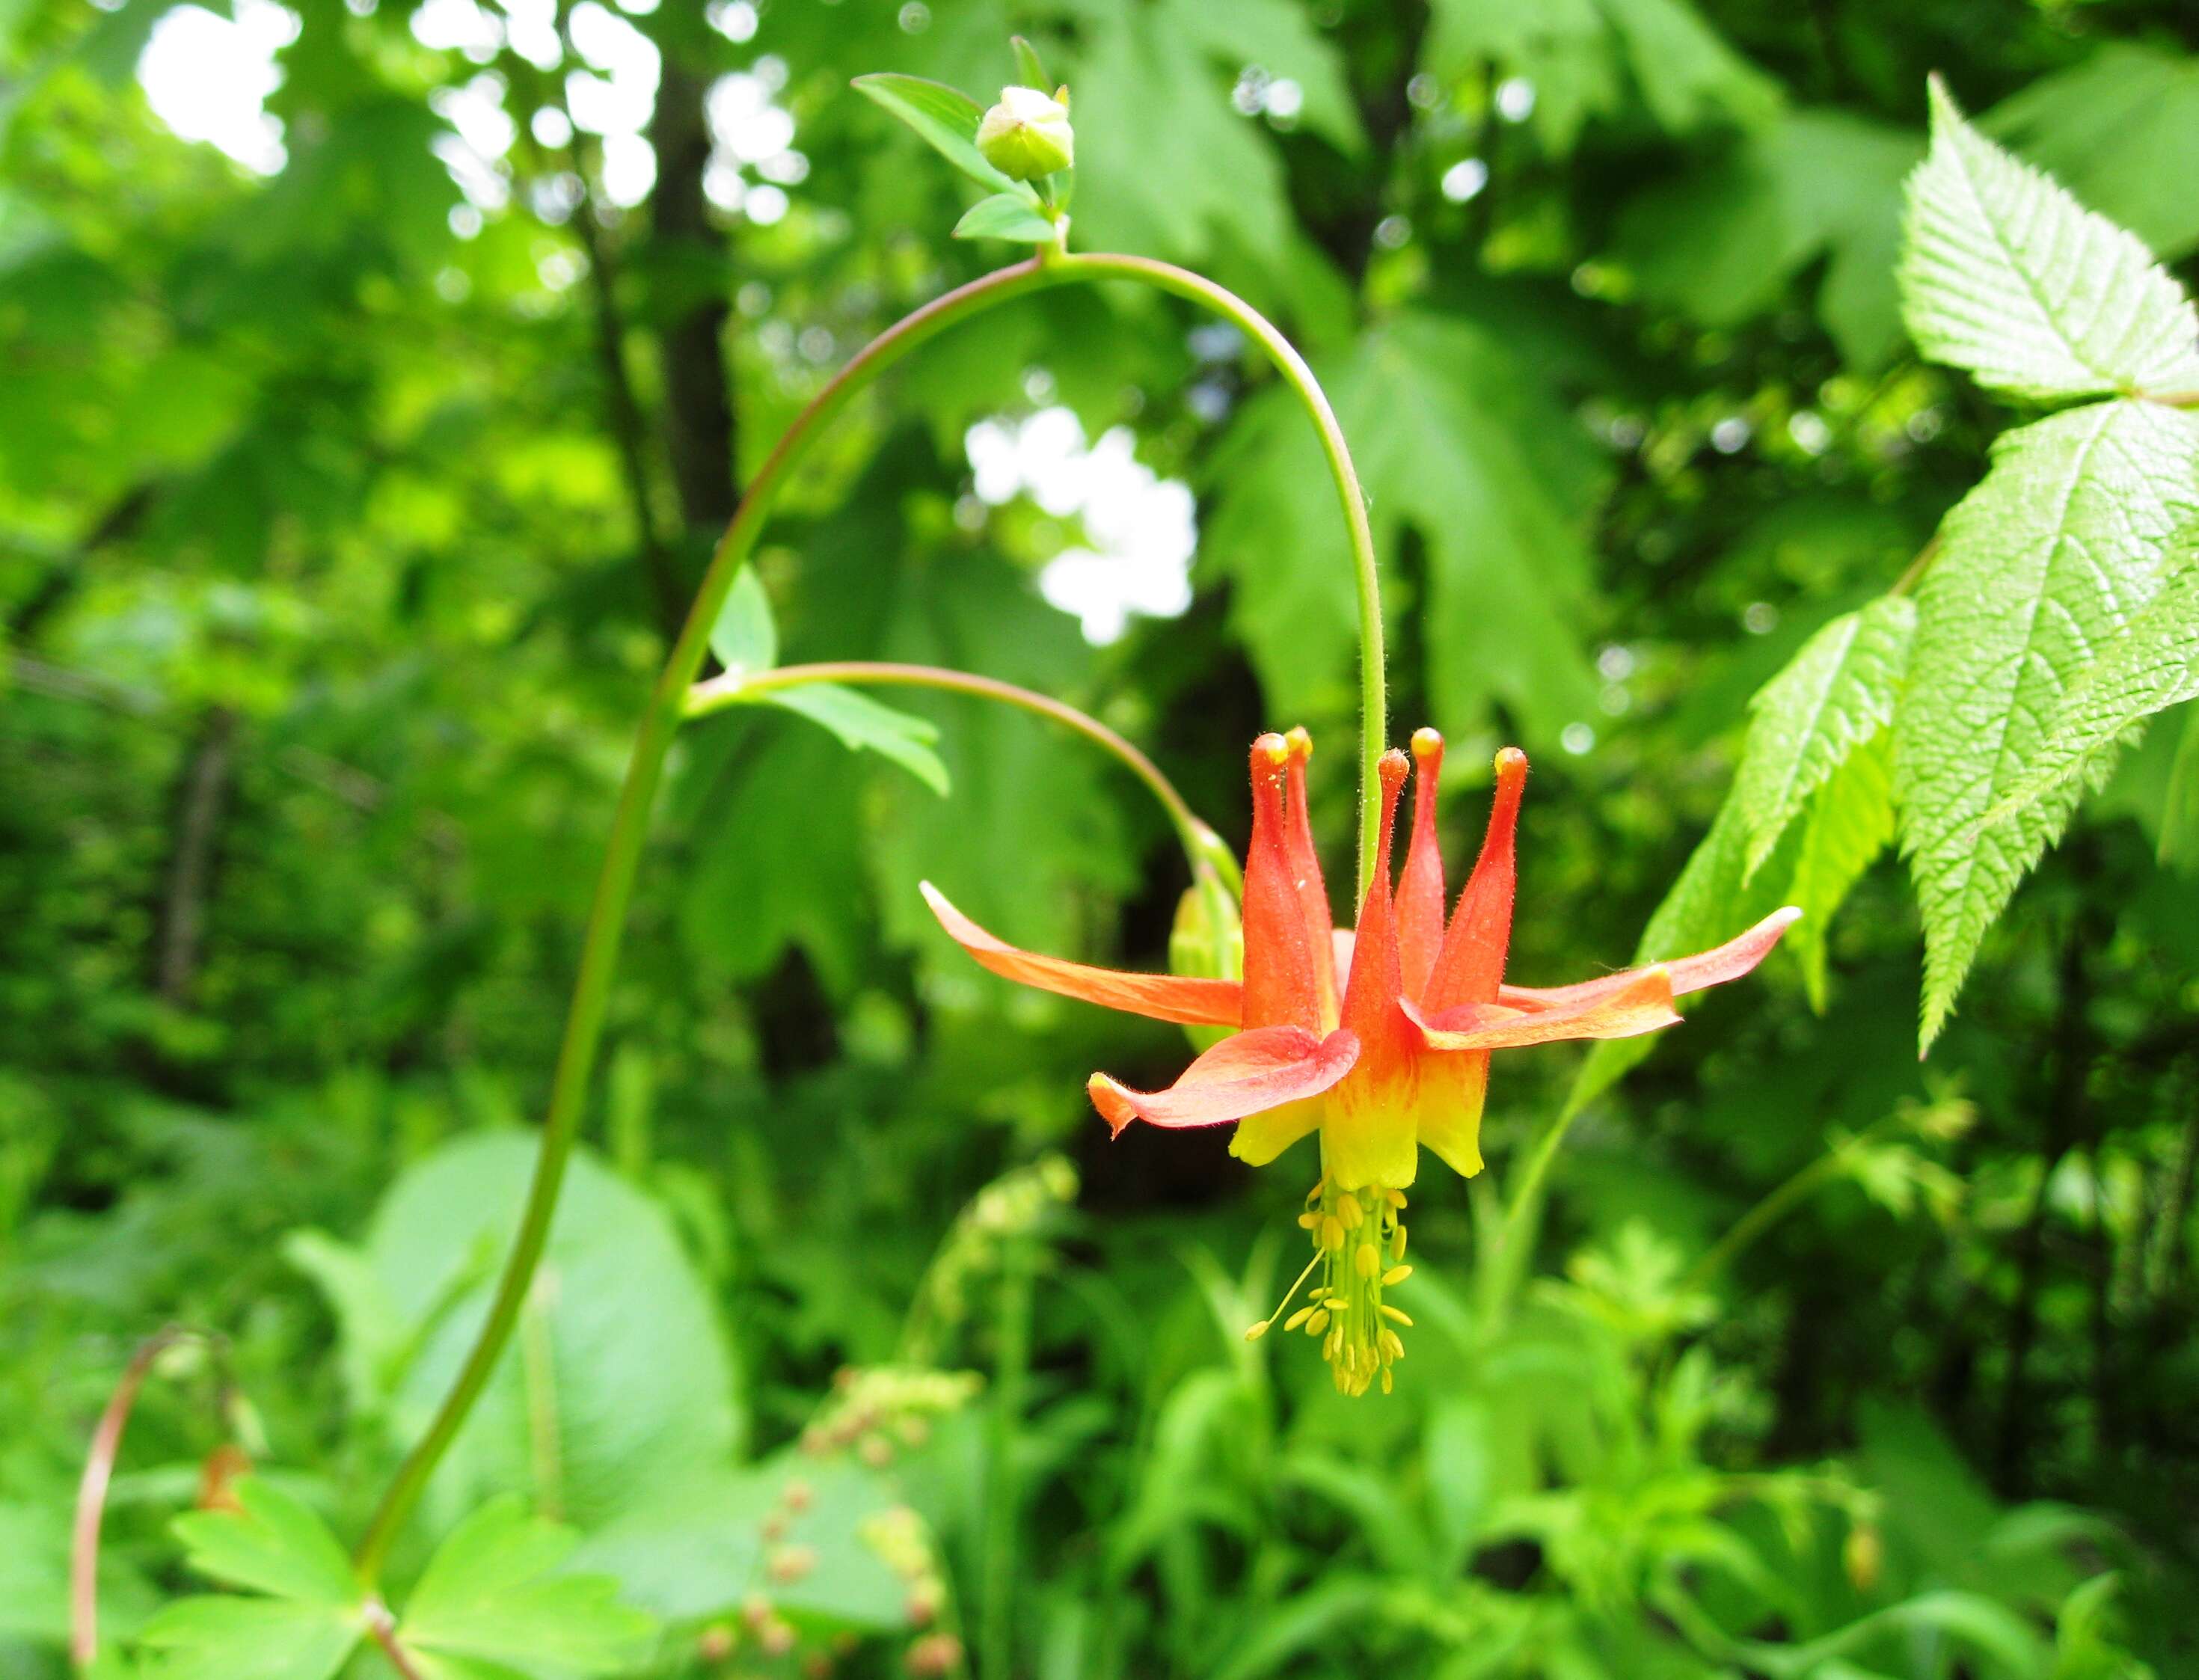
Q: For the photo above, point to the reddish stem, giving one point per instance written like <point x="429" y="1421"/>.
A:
<point x="91" y="1493"/>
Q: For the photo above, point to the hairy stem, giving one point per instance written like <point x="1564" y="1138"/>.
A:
<point x="660" y="723"/>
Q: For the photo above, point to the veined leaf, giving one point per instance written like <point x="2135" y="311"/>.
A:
<point x="492" y="1592"/>
<point x="745" y="638"/>
<point x="2006" y="275"/>
<point x="1847" y="822"/>
<point x="947" y="119"/>
<point x="2119" y="128"/>
<point x="1005" y="216"/>
<point x="1836" y="694"/>
<point x="307" y="1627"/>
<point x="1588" y="58"/>
<point x="2152" y="665"/>
<point x="861" y="723"/>
<point x="2040" y="567"/>
<point x="231" y="1638"/>
<point x="274" y="1545"/>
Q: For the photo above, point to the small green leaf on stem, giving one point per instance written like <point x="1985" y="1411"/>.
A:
<point x="862" y="723"/>
<point x="745" y="638"/>
<point x="1030" y="71"/>
<point x="947" y="119"/>
<point x="1006" y="216"/>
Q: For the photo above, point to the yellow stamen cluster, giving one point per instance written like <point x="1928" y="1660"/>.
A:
<point x="1359" y="1246"/>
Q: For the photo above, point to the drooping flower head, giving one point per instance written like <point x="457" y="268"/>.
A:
<point x="1378" y="1038"/>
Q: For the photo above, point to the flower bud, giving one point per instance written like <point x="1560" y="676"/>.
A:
<point x="1027" y="134"/>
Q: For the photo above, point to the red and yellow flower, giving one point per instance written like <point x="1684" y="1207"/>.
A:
<point x="1379" y="1039"/>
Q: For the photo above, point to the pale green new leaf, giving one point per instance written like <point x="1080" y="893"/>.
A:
<point x="745" y="638"/>
<point x="274" y="1543"/>
<point x="1005" y="216"/>
<point x="1847" y="822"/>
<point x="1836" y="694"/>
<point x="490" y="1592"/>
<point x="947" y="119"/>
<point x="861" y="723"/>
<point x="2152" y="665"/>
<point x="227" y="1638"/>
<point x="2006" y="275"/>
<point x="2040" y="568"/>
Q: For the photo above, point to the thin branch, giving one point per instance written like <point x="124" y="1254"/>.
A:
<point x="91" y="1492"/>
<point x="382" y="1628"/>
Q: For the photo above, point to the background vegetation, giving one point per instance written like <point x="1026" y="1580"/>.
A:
<point x="346" y="504"/>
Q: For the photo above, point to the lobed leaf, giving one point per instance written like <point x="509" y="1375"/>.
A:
<point x="227" y="1638"/>
<point x="493" y="1592"/>
<point x="1836" y="694"/>
<point x="2004" y="274"/>
<point x="2041" y="566"/>
<point x="274" y="1543"/>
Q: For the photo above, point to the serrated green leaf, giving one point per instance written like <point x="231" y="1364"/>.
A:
<point x="947" y="119"/>
<point x="491" y="1592"/>
<point x="862" y="723"/>
<point x="1005" y="216"/>
<point x="2003" y="273"/>
<point x="2119" y="129"/>
<point x="745" y="638"/>
<point x="2152" y="664"/>
<point x="1848" y="822"/>
<point x="2041" y="566"/>
<point x="273" y="1544"/>
<point x="252" y="1639"/>
<point x="1836" y="694"/>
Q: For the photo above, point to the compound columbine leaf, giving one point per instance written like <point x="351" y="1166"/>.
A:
<point x="2041" y="566"/>
<point x="861" y="723"/>
<point x="273" y="1543"/>
<point x="491" y="1593"/>
<point x="947" y="119"/>
<point x="1836" y="694"/>
<point x="2006" y="275"/>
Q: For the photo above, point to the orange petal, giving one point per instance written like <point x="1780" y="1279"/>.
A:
<point x="1643" y="1005"/>
<point x="1421" y="885"/>
<point x="1305" y="873"/>
<point x="1164" y="997"/>
<point x="1728" y="961"/>
<point x="1281" y="971"/>
<point x="1471" y="964"/>
<point x="1254" y="1071"/>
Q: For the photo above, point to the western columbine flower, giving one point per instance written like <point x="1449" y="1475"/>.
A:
<point x="1380" y="1039"/>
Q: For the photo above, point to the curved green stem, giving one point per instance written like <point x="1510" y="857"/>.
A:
<point x="1202" y="846"/>
<point x="659" y="722"/>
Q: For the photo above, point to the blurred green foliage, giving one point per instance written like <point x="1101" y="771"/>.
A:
<point x="342" y="514"/>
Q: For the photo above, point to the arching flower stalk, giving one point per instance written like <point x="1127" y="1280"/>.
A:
<point x="1379" y="1039"/>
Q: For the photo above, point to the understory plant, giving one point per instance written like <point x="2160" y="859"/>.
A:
<point x="1961" y="715"/>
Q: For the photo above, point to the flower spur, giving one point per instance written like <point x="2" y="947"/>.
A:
<point x="1378" y="1038"/>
